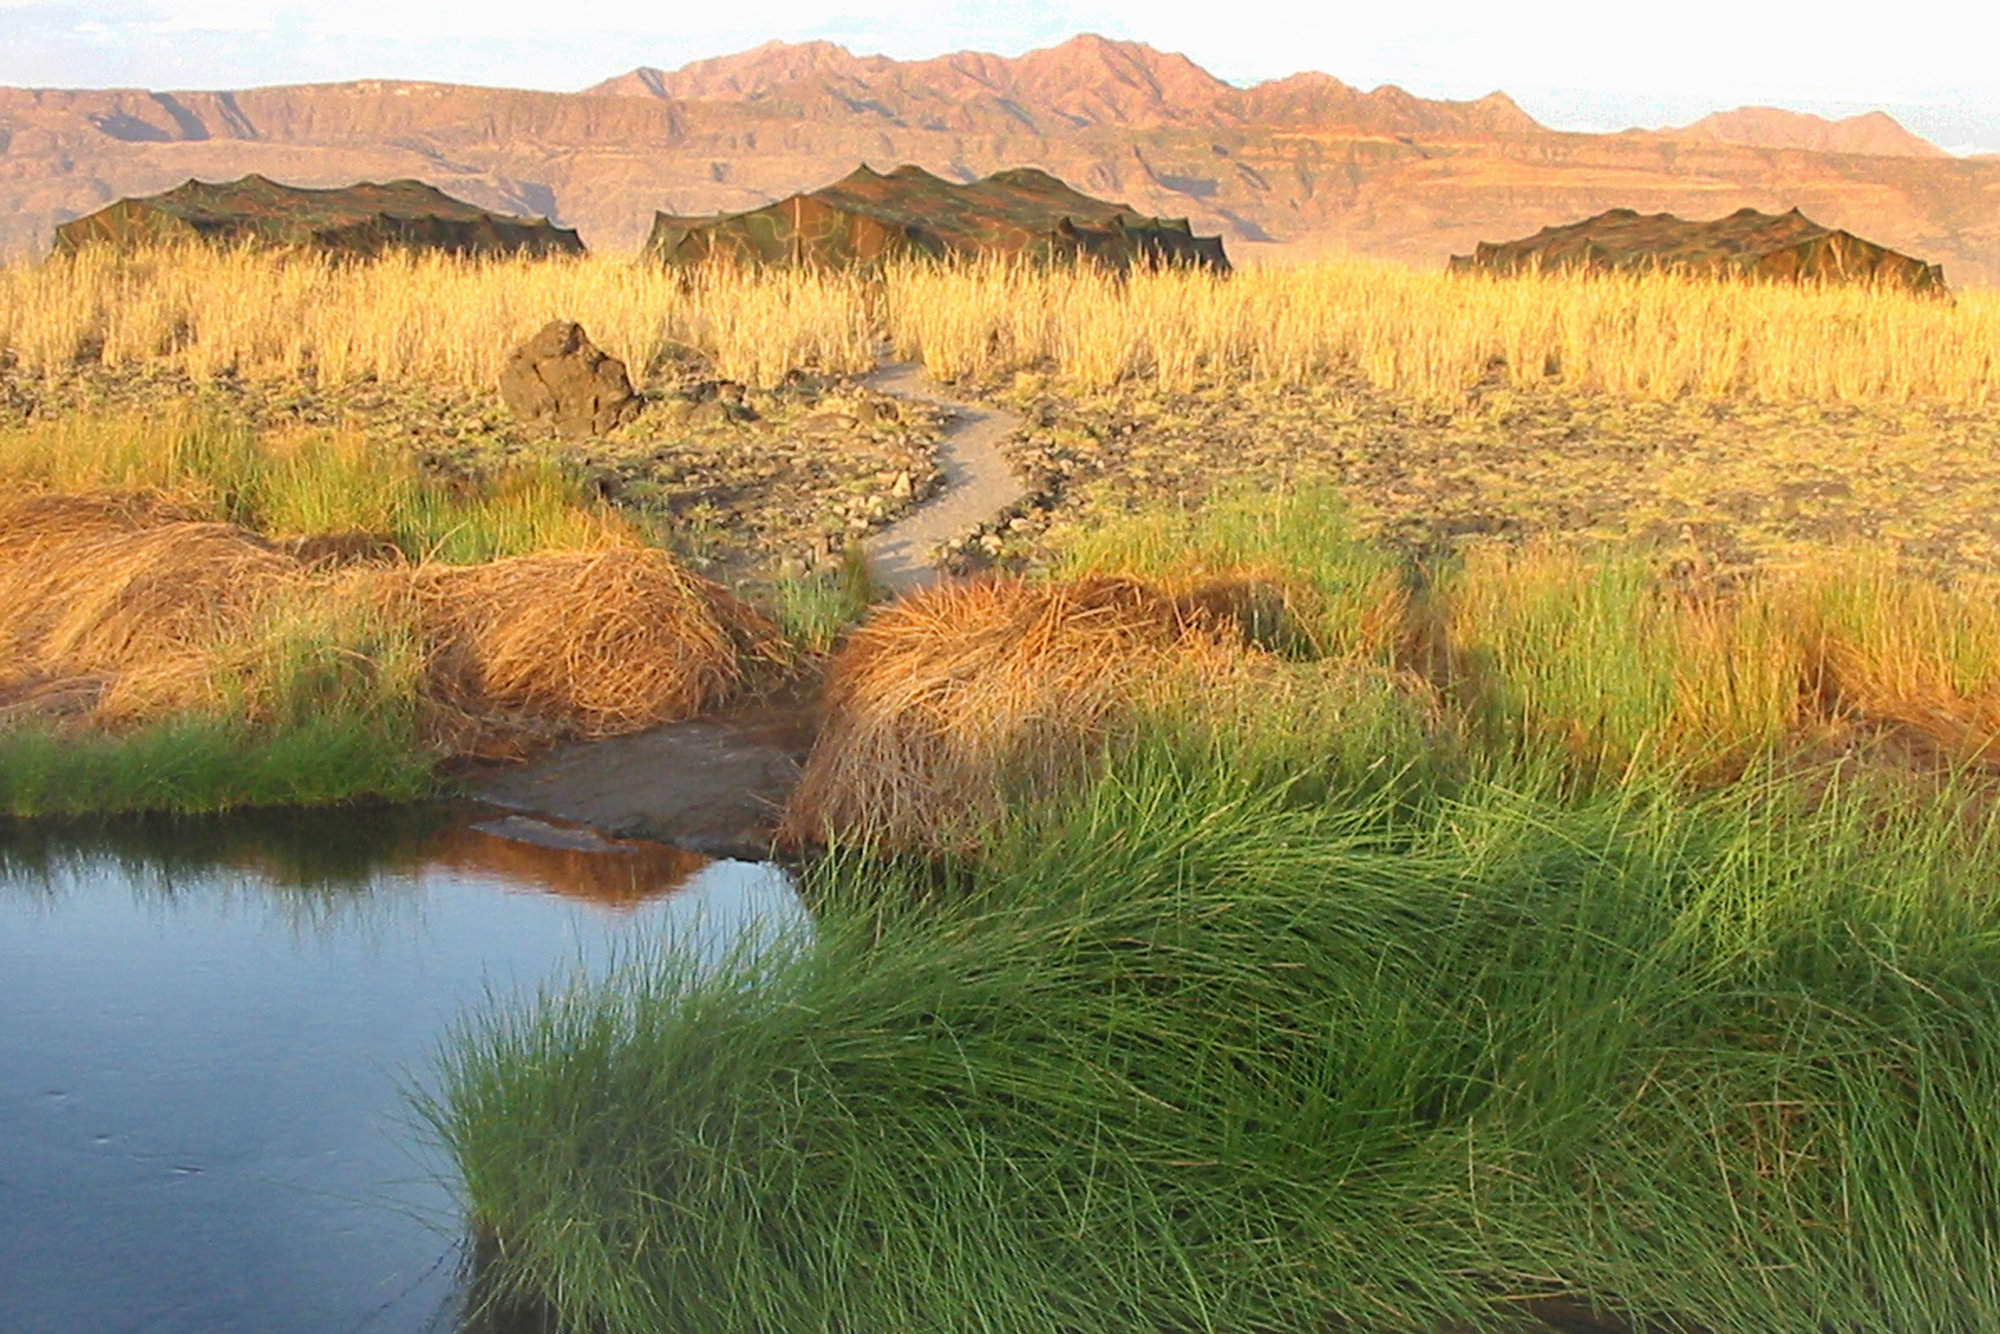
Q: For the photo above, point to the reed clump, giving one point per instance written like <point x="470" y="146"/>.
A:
<point x="947" y="704"/>
<point x="110" y="590"/>
<point x="1919" y="655"/>
<point x="1193" y="1049"/>
<point x="322" y="492"/>
<point x="1615" y="660"/>
<point x="119" y="613"/>
<point x="592" y="644"/>
<point x="1307" y="585"/>
<point x="1590" y="667"/>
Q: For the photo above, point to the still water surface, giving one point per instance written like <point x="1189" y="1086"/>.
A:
<point x="207" y="1030"/>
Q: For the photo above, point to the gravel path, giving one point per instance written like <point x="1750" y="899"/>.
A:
<point x="977" y="481"/>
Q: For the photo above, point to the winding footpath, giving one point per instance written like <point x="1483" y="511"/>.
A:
<point x="977" y="481"/>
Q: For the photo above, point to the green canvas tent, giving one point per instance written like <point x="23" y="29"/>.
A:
<point x="361" y="219"/>
<point x="1787" y="247"/>
<point x="866" y="218"/>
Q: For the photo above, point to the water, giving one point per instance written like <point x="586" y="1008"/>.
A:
<point x="207" y="1030"/>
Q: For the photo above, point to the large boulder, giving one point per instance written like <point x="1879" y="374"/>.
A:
<point x="560" y="376"/>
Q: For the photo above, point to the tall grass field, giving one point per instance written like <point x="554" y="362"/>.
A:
<point x="1238" y="927"/>
<point x="442" y="321"/>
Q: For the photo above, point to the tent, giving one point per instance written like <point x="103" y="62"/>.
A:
<point x="361" y="219"/>
<point x="867" y="218"/>
<point x="1788" y="247"/>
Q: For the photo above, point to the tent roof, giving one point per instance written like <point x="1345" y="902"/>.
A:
<point x="868" y="213"/>
<point x="361" y="215"/>
<point x="1773" y="245"/>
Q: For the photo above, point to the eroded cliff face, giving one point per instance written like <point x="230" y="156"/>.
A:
<point x="1293" y="167"/>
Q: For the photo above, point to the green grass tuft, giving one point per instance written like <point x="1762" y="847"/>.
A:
<point x="814" y="609"/>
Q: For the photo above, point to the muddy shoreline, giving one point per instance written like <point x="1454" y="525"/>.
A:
<point x="713" y="785"/>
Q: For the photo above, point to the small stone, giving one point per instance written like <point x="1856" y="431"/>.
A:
<point x="903" y="487"/>
<point x="822" y="424"/>
<point x="708" y="412"/>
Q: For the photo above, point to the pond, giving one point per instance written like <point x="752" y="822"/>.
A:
<point x="208" y="1030"/>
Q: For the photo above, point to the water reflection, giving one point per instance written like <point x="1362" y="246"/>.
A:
<point x="539" y="857"/>
<point x="321" y="868"/>
<point x="208" y="1028"/>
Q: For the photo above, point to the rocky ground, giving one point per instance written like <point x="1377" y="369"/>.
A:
<point x="742" y="482"/>
<point x="1742" y="482"/>
<point x="750" y="483"/>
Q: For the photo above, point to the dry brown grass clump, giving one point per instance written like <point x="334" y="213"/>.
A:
<point x="586" y="643"/>
<point x="37" y="517"/>
<point x="121" y="592"/>
<point x="946" y="703"/>
<point x="1905" y="654"/>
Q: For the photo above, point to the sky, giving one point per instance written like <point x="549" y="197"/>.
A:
<point x="1571" y="63"/>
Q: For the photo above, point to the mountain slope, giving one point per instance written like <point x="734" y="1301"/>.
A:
<point x="1293" y="166"/>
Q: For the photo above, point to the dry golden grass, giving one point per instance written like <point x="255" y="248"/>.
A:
<point x="147" y="614"/>
<point x="108" y="589"/>
<point x="412" y="319"/>
<point x="1429" y="335"/>
<point x="602" y="642"/>
<point x="945" y="703"/>
<point x="1622" y="663"/>
<point x="1433" y="335"/>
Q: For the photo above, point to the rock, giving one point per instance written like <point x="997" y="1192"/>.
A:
<point x="823" y="424"/>
<point x="903" y="488"/>
<point x="560" y="376"/>
<point x="876" y="412"/>
<point x="708" y="412"/>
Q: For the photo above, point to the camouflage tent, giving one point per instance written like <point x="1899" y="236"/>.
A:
<point x="362" y="219"/>
<point x="867" y="218"/>
<point x="1788" y="247"/>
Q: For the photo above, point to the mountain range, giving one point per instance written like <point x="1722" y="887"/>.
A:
<point x="1291" y="167"/>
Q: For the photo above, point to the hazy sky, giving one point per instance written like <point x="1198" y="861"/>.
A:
<point x="1572" y="63"/>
